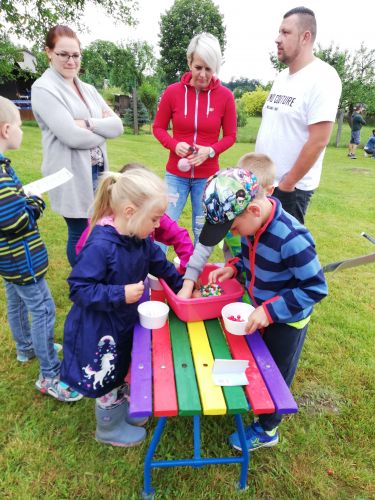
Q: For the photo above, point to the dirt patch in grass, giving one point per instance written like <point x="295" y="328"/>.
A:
<point x="359" y="170"/>
<point x="316" y="400"/>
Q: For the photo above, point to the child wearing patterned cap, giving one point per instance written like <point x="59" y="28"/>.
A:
<point x="284" y="278"/>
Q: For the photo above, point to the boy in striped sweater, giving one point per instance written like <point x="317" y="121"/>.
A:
<point x="284" y="278"/>
<point x="23" y="264"/>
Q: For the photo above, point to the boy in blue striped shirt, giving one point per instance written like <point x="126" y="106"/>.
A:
<point x="284" y="278"/>
<point x="23" y="265"/>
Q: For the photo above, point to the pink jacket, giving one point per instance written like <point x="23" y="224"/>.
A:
<point x="168" y="233"/>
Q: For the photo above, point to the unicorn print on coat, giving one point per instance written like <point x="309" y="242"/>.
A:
<point x="106" y="358"/>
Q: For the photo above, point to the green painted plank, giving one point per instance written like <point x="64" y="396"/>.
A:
<point x="234" y="396"/>
<point x="184" y="372"/>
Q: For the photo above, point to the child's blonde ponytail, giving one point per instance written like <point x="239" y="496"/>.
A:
<point x="103" y="197"/>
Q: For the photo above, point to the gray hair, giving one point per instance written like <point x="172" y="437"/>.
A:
<point x="8" y="111"/>
<point x="207" y="47"/>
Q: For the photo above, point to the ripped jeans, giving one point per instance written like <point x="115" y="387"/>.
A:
<point x="178" y="192"/>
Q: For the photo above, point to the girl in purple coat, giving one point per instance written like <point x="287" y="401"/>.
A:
<point x="105" y="286"/>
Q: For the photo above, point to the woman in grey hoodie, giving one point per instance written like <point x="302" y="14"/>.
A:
<point x="75" y="123"/>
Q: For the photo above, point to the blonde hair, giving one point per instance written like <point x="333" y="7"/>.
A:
<point x="207" y="47"/>
<point x="262" y="167"/>
<point x="8" y="111"/>
<point x="138" y="187"/>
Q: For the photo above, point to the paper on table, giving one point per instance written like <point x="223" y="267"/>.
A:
<point x="49" y="182"/>
<point x="230" y="372"/>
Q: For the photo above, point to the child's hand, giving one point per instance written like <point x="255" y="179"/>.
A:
<point x="220" y="275"/>
<point x="186" y="290"/>
<point x="257" y="319"/>
<point x="134" y="292"/>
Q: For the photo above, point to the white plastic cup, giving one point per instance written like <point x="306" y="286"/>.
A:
<point x="183" y="165"/>
<point x="153" y="314"/>
<point x="234" y="309"/>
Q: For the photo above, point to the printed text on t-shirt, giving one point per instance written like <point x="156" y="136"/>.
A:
<point x="281" y="99"/>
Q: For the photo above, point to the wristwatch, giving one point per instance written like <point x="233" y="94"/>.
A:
<point x="211" y="152"/>
<point x="88" y="124"/>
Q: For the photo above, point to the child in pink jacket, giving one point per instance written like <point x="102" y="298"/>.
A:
<point x="169" y="232"/>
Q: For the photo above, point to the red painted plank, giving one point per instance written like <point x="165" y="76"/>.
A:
<point x="256" y="390"/>
<point x="165" y="398"/>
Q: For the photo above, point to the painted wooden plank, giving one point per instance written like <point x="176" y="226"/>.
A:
<point x="212" y="398"/>
<point x="281" y="395"/>
<point x="165" y="397"/>
<point x="256" y="390"/>
<point x="234" y="396"/>
<point x="141" y="373"/>
<point x="187" y="389"/>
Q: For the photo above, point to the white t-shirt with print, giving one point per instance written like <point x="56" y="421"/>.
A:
<point x="311" y="95"/>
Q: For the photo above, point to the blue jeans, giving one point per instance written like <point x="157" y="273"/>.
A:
<point x="294" y="202"/>
<point x="285" y="345"/>
<point x="178" y="191"/>
<point x="35" y="338"/>
<point x="75" y="229"/>
<point x="77" y="226"/>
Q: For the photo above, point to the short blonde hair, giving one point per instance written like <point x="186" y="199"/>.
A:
<point x="207" y="47"/>
<point x="8" y="111"/>
<point x="262" y="167"/>
<point x="139" y="187"/>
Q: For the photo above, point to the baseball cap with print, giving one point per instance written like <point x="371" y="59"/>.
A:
<point x="227" y="194"/>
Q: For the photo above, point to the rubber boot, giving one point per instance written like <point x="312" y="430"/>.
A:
<point x="111" y="428"/>
<point x="137" y="421"/>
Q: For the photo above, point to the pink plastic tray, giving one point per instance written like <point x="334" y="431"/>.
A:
<point x="204" y="307"/>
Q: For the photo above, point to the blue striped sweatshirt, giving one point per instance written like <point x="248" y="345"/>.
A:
<point x="23" y="255"/>
<point x="283" y="272"/>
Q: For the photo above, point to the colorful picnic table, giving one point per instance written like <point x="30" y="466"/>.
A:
<point x="171" y="376"/>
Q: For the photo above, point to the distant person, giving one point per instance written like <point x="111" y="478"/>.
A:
<point x="75" y="123"/>
<point x="23" y="265"/>
<point x="370" y="146"/>
<point x="283" y="275"/>
<point x="299" y="113"/>
<point x="357" y="123"/>
<point x="203" y="115"/>
<point x="105" y="287"/>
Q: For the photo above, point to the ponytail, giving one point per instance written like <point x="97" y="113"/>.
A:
<point x="103" y="197"/>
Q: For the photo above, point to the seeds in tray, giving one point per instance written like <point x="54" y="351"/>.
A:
<point x="213" y="290"/>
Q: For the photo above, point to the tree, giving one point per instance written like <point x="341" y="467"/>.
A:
<point x="31" y="19"/>
<point x="149" y="94"/>
<point x="241" y="85"/>
<point x="97" y="61"/>
<point x="178" y="25"/>
<point x="124" y="71"/>
<point x="9" y="54"/>
<point x="144" y="59"/>
<point x="141" y="113"/>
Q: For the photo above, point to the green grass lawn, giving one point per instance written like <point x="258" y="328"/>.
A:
<point x="326" y="450"/>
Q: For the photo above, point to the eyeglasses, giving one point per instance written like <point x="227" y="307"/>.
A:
<point x="64" y="57"/>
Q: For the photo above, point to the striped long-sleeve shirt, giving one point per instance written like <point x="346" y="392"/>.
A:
<point x="23" y="255"/>
<point x="283" y="272"/>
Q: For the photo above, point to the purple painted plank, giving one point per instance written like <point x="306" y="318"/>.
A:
<point x="141" y="374"/>
<point x="280" y="393"/>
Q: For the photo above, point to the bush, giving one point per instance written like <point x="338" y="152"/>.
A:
<point x="143" y="118"/>
<point x="241" y="114"/>
<point x="252" y="102"/>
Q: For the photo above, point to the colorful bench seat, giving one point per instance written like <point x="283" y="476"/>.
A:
<point x="171" y="376"/>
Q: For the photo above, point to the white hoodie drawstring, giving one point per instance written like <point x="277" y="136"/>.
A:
<point x="185" y="110"/>
<point x="208" y="102"/>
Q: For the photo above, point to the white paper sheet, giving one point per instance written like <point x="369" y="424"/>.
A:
<point x="49" y="182"/>
<point x="228" y="372"/>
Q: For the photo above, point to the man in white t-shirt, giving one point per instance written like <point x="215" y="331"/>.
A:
<point x="299" y="113"/>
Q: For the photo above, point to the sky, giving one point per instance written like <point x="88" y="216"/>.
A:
<point x="251" y="29"/>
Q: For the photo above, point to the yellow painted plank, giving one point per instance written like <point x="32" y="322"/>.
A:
<point x="212" y="398"/>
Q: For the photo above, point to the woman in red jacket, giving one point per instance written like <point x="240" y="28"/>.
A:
<point x="200" y="108"/>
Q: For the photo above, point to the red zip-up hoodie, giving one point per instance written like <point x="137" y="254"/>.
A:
<point x="197" y="118"/>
